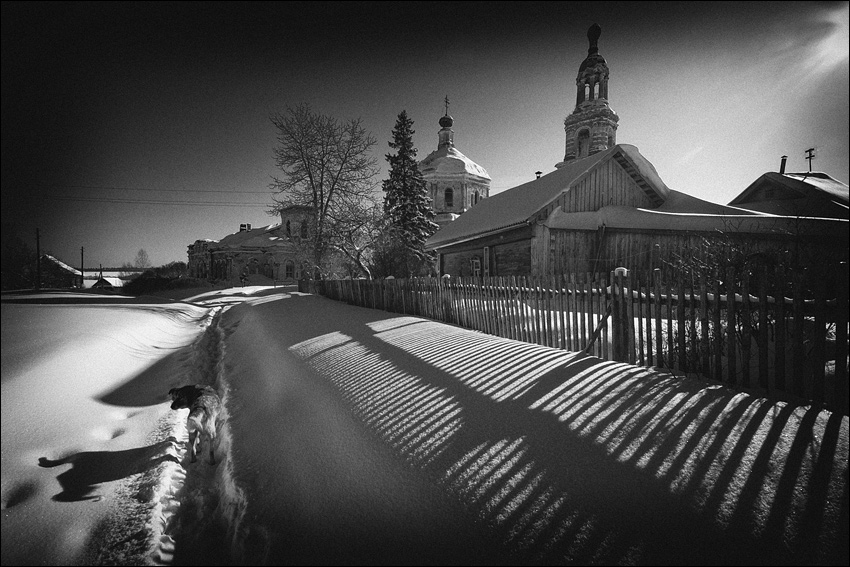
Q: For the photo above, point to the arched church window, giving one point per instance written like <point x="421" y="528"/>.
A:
<point x="288" y="228"/>
<point x="586" y="91"/>
<point x="596" y="90"/>
<point x="610" y="140"/>
<point x="475" y="199"/>
<point x="583" y="144"/>
<point x="290" y="269"/>
<point x="304" y="229"/>
<point x="450" y="197"/>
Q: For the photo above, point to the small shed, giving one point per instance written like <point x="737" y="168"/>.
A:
<point x="812" y="194"/>
<point x="107" y="284"/>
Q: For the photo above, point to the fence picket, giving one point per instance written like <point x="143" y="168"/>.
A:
<point x="841" y="386"/>
<point x="659" y="333"/>
<point x="762" y="333"/>
<point x="680" y="327"/>
<point x="642" y="358"/>
<point x="717" y="339"/>
<point x="731" y="322"/>
<point x="817" y="393"/>
<point x="704" y="365"/>
<point x="746" y="332"/>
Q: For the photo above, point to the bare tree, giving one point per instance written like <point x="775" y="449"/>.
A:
<point x="357" y="234"/>
<point x="142" y="260"/>
<point x="326" y="166"/>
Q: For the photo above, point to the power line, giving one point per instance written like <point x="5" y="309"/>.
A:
<point x="152" y="201"/>
<point x="110" y="188"/>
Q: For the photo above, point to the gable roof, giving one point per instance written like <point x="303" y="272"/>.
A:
<point x="256" y="237"/>
<point x="515" y="207"/>
<point x="61" y="264"/>
<point x="804" y="194"/>
<point x="108" y="283"/>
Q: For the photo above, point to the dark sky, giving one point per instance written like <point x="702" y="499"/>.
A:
<point x="129" y="125"/>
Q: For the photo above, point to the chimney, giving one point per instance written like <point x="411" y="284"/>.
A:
<point x="249" y="227"/>
<point x="782" y="164"/>
<point x="243" y="227"/>
<point x="538" y="173"/>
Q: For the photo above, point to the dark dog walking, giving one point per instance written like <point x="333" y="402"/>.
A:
<point x="204" y="404"/>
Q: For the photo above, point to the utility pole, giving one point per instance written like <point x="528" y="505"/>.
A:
<point x="37" y="260"/>
<point x="82" y="270"/>
<point x="810" y="155"/>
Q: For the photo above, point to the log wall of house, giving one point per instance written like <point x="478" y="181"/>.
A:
<point x="509" y="253"/>
<point x="608" y="184"/>
<point x="577" y="251"/>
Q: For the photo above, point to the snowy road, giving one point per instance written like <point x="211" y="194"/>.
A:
<point x="360" y="436"/>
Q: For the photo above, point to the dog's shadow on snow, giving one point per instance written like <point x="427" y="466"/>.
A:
<point x="91" y="468"/>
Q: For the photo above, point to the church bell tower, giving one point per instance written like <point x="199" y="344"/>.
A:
<point x="592" y="126"/>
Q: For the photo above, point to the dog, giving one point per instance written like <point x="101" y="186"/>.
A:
<point x="204" y="405"/>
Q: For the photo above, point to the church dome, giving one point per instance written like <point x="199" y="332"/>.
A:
<point x="592" y="61"/>
<point x="593" y="58"/>
<point x="447" y="160"/>
<point x="446" y="121"/>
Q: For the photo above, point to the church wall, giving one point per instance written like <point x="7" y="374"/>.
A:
<point x="463" y="193"/>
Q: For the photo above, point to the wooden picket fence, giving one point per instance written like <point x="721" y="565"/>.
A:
<point x="793" y="349"/>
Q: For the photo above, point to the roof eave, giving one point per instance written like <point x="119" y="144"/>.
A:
<point x="468" y="237"/>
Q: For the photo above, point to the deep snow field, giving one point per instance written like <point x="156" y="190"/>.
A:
<point x="85" y="382"/>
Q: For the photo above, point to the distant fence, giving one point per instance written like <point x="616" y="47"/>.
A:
<point x="794" y="348"/>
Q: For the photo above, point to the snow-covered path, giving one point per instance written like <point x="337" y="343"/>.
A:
<point x="318" y="486"/>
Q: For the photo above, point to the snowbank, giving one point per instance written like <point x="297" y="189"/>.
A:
<point x="78" y="449"/>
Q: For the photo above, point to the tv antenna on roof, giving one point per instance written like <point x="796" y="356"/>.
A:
<point x="810" y="155"/>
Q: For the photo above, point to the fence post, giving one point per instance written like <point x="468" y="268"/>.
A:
<point x="617" y="306"/>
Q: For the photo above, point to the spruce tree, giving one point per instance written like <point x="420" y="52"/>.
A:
<point x="407" y="206"/>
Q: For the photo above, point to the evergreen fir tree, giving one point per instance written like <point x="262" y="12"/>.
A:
<point x="407" y="206"/>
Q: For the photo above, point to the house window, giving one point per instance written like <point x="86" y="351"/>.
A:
<point x="486" y="261"/>
<point x="450" y="198"/>
<point x="290" y="269"/>
<point x="476" y="267"/>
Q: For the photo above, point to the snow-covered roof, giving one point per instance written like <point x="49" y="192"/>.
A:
<point x="256" y="237"/>
<point x="106" y="282"/>
<point x="622" y="217"/>
<point x="801" y="193"/>
<point x="62" y="264"/>
<point x="516" y="206"/>
<point x="449" y="160"/>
